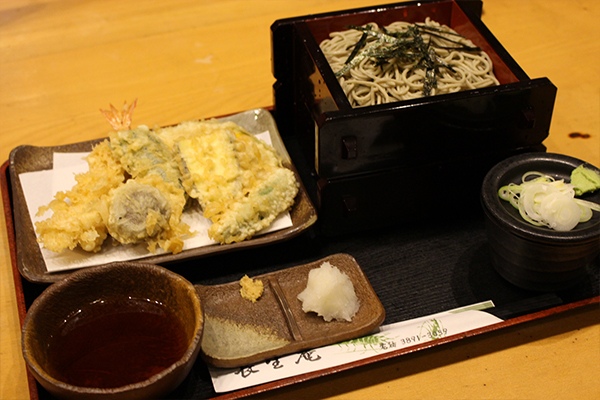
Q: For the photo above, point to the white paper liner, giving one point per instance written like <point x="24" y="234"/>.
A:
<point x="40" y="188"/>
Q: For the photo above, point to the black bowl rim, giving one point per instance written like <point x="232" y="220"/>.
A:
<point x="494" y="209"/>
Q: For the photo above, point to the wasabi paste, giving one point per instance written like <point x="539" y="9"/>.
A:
<point x="584" y="180"/>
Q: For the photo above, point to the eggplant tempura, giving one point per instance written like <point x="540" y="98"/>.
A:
<point x="140" y="180"/>
<point x="238" y="179"/>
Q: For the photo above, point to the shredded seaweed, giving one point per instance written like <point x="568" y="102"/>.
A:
<point x="408" y="47"/>
<point x="359" y="45"/>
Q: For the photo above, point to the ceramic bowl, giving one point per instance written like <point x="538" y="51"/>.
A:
<point x="534" y="257"/>
<point x="126" y="295"/>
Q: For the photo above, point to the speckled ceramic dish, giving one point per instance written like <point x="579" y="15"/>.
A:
<point x="138" y="296"/>
<point x="534" y="257"/>
<point x="276" y="322"/>
<point x="31" y="263"/>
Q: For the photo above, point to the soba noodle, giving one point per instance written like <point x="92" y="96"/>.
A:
<point x="371" y="82"/>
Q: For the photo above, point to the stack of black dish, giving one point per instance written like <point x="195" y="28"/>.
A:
<point x="392" y="163"/>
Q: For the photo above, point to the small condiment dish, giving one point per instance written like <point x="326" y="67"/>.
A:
<point x="537" y="257"/>
<point x="97" y="318"/>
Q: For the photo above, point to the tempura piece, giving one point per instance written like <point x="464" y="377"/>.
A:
<point x="211" y="171"/>
<point x="268" y="190"/>
<point x="151" y="215"/>
<point x="148" y="209"/>
<point x="143" y="153"/>
<point x="265" y="200"/>
<point x="78" y="214"/>
<point x="238" y="179"/>
<point x="137" y="211"/>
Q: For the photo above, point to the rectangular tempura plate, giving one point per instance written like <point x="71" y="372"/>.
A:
<point x="32" y="158"/>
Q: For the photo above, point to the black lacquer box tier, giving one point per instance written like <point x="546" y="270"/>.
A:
<point x="392" y="163"/>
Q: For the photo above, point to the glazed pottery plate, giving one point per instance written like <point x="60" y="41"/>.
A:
<point x="30" y="261"/>
<point x="240" y="332"/>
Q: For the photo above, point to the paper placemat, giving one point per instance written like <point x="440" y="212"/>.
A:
<point x="387" y="338"/>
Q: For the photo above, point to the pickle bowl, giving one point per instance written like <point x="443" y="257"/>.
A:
<point x="124" y="330"/>
<point x="532" y="257"/>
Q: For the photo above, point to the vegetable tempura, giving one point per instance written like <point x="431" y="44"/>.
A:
<point x="238" y="179"/>
<point x="140" y="180"/>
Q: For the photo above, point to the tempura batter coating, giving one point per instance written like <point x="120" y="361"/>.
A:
<point x="210" y="166"/>
<point x="157" y="213"/>
<point x="142" y="152"/>
<point x="137" y="211"/>
<point x="79" y="214"/>
<point x="148" y="209"/>
<point x="139" y="181"/>
<point x="265" y="200"/>
<point x="238" y="179"/>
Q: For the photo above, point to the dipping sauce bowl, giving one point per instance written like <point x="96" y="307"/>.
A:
<point x="119" y="331"/>
<point x="537" y="257"/>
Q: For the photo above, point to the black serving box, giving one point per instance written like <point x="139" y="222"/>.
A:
<point x="372" y="165"/>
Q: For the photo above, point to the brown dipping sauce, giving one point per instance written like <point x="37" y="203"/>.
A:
<point x="112" y="344"/>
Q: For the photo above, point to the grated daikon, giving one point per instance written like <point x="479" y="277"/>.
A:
<point x="329" y="293"/>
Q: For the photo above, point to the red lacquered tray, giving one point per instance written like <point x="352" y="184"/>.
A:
<point x="528" y="308"/>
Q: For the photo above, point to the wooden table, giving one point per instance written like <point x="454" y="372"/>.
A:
<point x="60" y="61"/>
